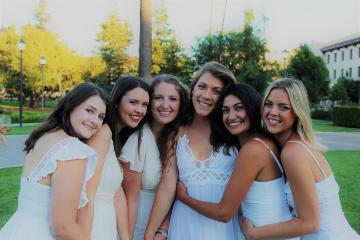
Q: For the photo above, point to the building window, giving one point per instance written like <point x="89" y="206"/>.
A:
<point x="342" y="72"/>
<point x="328" y="57"/>
<point x="342" y="55"/>
<point x="359" y="71"/>
<point x="350" y="56"/>
<point x="334" y="74"/>
<point x="335" y="56"/>
<point x="359" y="52"/>
<point x="350" y="72"/>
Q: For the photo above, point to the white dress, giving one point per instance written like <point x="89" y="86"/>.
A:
<point x="148" y="162"/>
<point x="104" y="224"/>
<point x="333" y="224"/>
<point x="32" y="220"/>
<point x="205" y="180"/>
<point x="265" y="202"/>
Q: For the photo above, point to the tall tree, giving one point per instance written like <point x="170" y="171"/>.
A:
<point x="114" y="39"/>
<point x="311" y="70"/>
<point x="145" y="40"/>
<point x="41" y="16"/>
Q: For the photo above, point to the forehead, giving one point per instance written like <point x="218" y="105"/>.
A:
<point x="137" y="93"/>
<point x="95" y="102"/>
<point x="231" y="100"/>
<point x="210" y="80"/>
<point x="279" y="95"/>
<point x="166" y="88"/>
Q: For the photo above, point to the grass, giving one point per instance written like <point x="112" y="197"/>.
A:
<point x="345" y="165"/>
<point x="327" y="126"/>
<point x="24" y="130"/>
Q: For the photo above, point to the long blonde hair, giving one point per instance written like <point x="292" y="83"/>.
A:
<point x="299" y="101"/>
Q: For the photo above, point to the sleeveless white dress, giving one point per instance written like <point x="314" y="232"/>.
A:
<point x="333" y="224"/>
<point x="32" y="220"/>
<point x="148" y="162"/>
<point x="265" y="202"/>
<point x="104" y="222"/>
<point x="205" y="180"/>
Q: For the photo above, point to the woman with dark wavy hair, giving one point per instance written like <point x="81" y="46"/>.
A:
<point x="168" y="102"/>
<point x="53" y="199"/>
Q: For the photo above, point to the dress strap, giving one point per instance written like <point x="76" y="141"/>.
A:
<point x="312" y="155"/>
<point x="273" y="155"/>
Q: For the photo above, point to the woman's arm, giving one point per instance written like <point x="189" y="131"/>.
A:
<point x="121" y="214"/>
<point x="164" y="198"/>
<point x="100" y="142"/>
<point x="67" y="183"/>
<point x="249" y="163"/>
<point x="131" y="185"/>
<point x="297" y="167"/>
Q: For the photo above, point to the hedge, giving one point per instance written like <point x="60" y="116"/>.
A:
<point x="346" y="116"/>
<point x="321" y="114"/>
<point x="29" y="117"/>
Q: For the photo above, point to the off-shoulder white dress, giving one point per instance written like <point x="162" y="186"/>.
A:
<point x="32" y="220"/>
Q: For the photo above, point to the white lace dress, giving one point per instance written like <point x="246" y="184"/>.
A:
<point x="148" y="162"/>
<point x="333" y="224"/>
<point x="32" y="220"/>
<point x="205" y="180"/>
<point x="104" y="224"/>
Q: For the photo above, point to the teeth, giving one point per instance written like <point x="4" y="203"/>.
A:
<point x="232" y="124"/>
<point x="273" y="121"/>
<point x="203" y="104"/>
<point x="164" y="114"/>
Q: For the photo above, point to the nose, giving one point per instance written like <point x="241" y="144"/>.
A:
<point x="232" y="115"/>
<point x="165" y="103"/>
<point x="207" y="94"/>
<point x="141" y="109"/>
<point x="273" y="110"/>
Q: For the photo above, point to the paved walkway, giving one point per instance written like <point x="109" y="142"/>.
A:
<point x="12" y="155"/>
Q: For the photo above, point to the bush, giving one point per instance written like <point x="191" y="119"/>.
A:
<point x="346" y="116"/>
<point x="29" y="117"/>
<point x="321" y="114"/>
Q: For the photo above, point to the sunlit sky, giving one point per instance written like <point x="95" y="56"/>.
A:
<point x="283" y="23"/>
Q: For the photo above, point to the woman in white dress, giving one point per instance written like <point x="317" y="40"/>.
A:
<point x="257" y="181"/>
<point x="204" y="171"/>
<point x="311" y="186"/>
<point x="129" y="101"/>
<point x="168" y="102"/>
<point x="53" y="202"/>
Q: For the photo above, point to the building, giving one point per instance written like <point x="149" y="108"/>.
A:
<point x="342" y="58"/>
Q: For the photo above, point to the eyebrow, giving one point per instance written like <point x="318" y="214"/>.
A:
<point x="91" y="106"/>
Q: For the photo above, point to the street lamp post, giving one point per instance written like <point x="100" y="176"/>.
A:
<point x="21" y="46"/>
<point x="42" y="62"/>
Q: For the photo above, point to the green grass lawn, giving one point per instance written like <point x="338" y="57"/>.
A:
<point x="327" y="126"/>
<point x="24" y="130"/>
<point x="345" y="165"/>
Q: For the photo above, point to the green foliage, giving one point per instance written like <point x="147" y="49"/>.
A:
<point x="352" y="88"/>
<point x="114" y="39"/>
<point x="338" y="91"/>
<point x="311" y="70"/>
<point x="242" y="52"/>
<point x="346" y="116"/>
<point x="321" y="114"/>
<point x="167" y="54"/>
<point x="29" y="116"/>
<point x="42" y="17"/>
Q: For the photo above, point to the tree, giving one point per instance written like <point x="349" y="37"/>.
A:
<point x="145" y="40"/>
<point x="41" y="16"/>
<point x="311" y="70"/>
<point x="352" y="89"/>
<point x="338" y="91"/>
<point x="167" y="54"/>
<point x="242" y="52"/>
<point x="114" y="39"/>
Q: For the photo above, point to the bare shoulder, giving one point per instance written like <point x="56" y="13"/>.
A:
<point x="293" y="153"/>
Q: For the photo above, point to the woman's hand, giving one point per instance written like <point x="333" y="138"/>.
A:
<point x="247" y="227"/>
<point x="180" y="191"/>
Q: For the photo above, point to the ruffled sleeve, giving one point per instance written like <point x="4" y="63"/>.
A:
<point x="68" y="149"/>
<point x="79" y="150"/>
<point x="130" y="152"/>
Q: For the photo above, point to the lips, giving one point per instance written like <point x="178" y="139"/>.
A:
<point x="90" y="127"/>
<point x="135" y="118"/>
<point x="164" y="113"/>
<point x="273" y="122"/>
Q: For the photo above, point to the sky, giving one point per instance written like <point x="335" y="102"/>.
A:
<point x="285" y="24"/>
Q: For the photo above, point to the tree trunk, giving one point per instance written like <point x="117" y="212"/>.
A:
<point x="145" y="40"/>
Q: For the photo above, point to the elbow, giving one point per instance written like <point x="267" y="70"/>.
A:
<point x="312" y="226"/>
<point x="224" y="215"/>
<point x="61" y="231"/>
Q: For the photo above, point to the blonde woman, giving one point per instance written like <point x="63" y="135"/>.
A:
<point x="311" y="188"/>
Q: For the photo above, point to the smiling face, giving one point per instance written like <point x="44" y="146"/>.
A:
<point x="234" y="115"/>
<point x="88" y="117"/>
<point x="278" y="115"/>
<point x="133" y="107"/>
<point x="165" y="103"/>
<point x="206" y="93"/>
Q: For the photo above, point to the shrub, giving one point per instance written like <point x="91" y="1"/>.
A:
<point x="346" y="116"/>
<point x="29" y="117"/>
<point x="321" y="114"/>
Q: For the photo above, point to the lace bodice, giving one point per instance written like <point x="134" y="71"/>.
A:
<point x="215" y="169"/>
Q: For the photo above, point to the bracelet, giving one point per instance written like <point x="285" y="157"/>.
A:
<point x="162" y="232"/>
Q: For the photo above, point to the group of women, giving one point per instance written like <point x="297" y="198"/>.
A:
<point x="151" y="162"/>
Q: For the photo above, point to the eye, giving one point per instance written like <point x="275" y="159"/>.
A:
<point x="145" y="104"/>
<point x="201" y="86"/>
<point x="102" y="117"/>
<point x="173" y="99"/>
<point x="225" y="110"/>
<point x="239" y="108"/>
<point x="284" y="108"/>
<point x="157" y="97"/>
<point x="89" y="110"/>
<point x="217" y="92"/>
<point x="267" y="104"/>
<point x="132" y="101"/>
